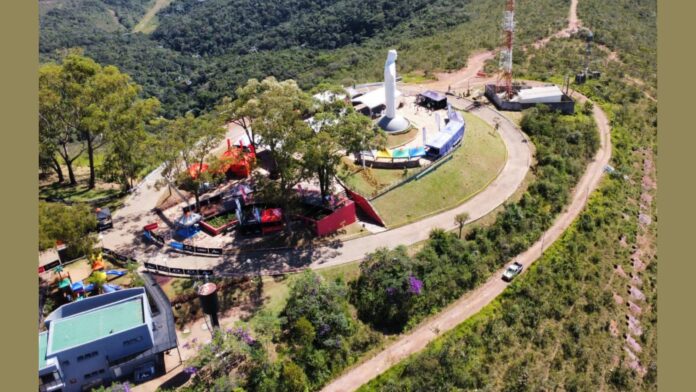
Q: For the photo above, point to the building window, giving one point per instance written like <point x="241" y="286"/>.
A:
<point x="94" y="374"/>
<point x="87" y="356"/>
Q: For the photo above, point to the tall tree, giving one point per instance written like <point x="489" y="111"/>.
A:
<point x="337" y="129"/>
<point x="186" y="143"/>
<point x="127" y="149"/>
<point x="461" y="219"/>
<point x="60" y="115"/>
<point x="73" y="225"/>
<point x="81" y="101"/>
<point x="281" y="128"/>
<point x="244" y="109"/>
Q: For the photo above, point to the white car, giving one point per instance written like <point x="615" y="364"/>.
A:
<point x="513" y="270"/>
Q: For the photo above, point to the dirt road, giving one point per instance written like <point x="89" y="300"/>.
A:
<point x="573" y="25"/>
<point x="474" y="301"/>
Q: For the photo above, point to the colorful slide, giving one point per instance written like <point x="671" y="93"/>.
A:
<point x="115" y="272"/>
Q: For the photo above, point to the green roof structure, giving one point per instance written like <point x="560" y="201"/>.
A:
<point x="43" y="345"/>
<point x="86" y="327"/>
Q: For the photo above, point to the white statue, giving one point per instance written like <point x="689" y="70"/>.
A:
<point x="390" y="84"/>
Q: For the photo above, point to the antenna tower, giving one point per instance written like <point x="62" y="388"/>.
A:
<point x="506" y="52"/>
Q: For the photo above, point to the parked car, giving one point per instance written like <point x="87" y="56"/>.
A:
<point x="513" y="270"/>
<point x="103" y="219"/>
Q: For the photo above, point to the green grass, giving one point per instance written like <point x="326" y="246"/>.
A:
<point x="220" y="220"/>
<point x="276" y="291"/>
<point x="369" y="182"/>
<point x="79" y="193"/>
<point x="417" y="77"/>
<point x="474" y="165"/>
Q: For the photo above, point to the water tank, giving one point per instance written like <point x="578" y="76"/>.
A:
<point x="207" y="293"/>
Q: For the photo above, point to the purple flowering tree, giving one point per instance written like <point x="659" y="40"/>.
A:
<point x="415" y="285"/>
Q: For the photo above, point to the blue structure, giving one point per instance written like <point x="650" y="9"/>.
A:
<point x="117" y="336"/>
<point x="443" y="142"/>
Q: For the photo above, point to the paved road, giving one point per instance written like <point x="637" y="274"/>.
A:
<point x="472" y="302"/>
<point x="137" y="212"/>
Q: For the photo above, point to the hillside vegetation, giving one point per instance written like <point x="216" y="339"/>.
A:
<point x="563" y="324"/>
<point x="577" y="321"/>
<point x="202" y="51"/>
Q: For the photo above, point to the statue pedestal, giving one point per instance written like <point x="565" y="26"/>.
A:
<point x="394" y="125"/>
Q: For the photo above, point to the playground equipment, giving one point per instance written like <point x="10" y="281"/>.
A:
<point x="197" y="169"/>
<point x="110" y="288"/>
<point x="98" y="263"/>
<point x="259" y="219"/>
<point x="115" y="272"/>
<point x="237" y="161"/>
<point x="187" y="225"/>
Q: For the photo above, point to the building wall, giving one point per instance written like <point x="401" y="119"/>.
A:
<point x="339" y="218"/>
<point x="97" y="355"/>
<point x="566" y="106"/>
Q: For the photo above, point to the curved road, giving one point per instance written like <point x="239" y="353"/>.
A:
<point x="129" y="220"/>
<point x="472" y="302"/>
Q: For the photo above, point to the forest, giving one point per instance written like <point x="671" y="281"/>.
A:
<point x="202" y="51"/>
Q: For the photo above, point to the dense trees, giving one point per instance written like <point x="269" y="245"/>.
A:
<point x="72" y="225"/>
<point x="184" y="145"/>
<point x="383" y="292"/>
<point x="81" y="102"/>
<point x="203" y="51"/>
<point x="338" y="130"/>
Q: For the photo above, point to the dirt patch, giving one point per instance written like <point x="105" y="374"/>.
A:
<point x="622" y="241"/>
<point x="635" y="280"/>
<point x="635" y="293"/>
<point x="613" y="328"/>
<point x="618" y="299"/>
<point x="638" y="265"/>
<point x="634" y="325"/>
<point x="635" y="309"/>
<point x="633" y="344"/>
<point x="620" y="271"/>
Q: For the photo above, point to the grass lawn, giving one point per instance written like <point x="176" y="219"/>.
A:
<point x="474" y="165"/>
<point x="78" y="193"/>
<point x="276" y="291"/>
<point x="370" y="181"/>
<point x="417" y="77"/>
<point x="399" y="140"/>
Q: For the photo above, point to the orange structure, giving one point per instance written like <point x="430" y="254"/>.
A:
<point x="238" y="160"/>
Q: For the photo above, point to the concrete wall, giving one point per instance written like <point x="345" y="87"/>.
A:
<point x="341" y="217"/>
<point x="566" y="106"/>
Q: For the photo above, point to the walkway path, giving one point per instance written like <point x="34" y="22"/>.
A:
<point x="129" y="220"/>
<point x="472" y="302"/>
